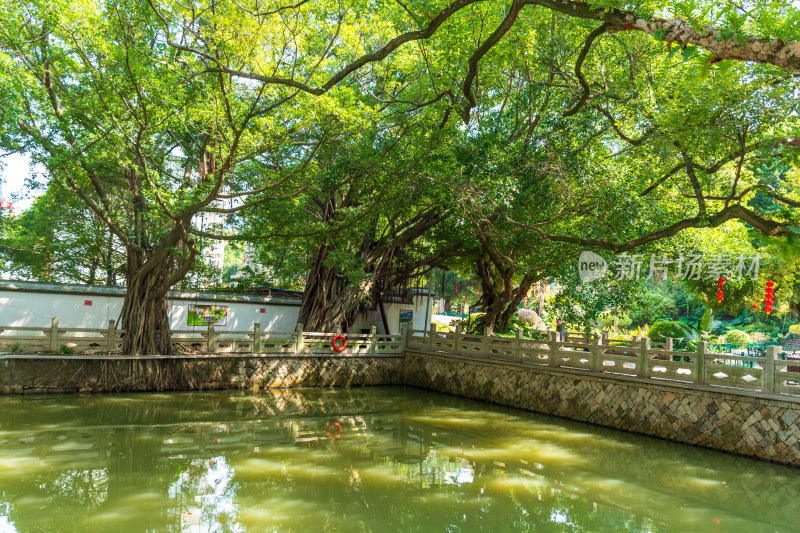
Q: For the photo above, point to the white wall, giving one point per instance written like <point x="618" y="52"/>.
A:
<point x="37" y="309"/>
<point x="22" y="308"/>
<point x="29" y="309"/>
<point x="241" y="315"/>
<point x="393" y="310"/>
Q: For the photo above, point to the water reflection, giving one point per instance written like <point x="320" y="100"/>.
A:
<point x="378" y="459"/>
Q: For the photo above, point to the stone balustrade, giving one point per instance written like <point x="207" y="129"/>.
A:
<point x="65" y="341"/>
<point x="635" y="358"/>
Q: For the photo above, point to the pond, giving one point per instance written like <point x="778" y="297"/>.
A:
<point x="355" y="460"/>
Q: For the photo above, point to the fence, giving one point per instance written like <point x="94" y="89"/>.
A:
<point x="57" y="340"/>
<point x="639" y="358"/>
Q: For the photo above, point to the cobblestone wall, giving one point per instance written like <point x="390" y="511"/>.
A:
<point x="60" y="374"/>
<point x="741" y="423"/>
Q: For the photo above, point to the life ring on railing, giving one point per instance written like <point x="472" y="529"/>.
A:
<point x="339" y="348"/>
<point x="334" y="424"/>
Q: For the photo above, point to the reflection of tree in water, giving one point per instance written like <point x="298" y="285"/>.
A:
<point x="405" y="460"/>
<point x="203" y="497"/>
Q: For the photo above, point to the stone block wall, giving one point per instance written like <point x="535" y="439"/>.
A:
<point x="741" y="422"/>
<point x="744" y="423"/>
<point x="82" y="374"/>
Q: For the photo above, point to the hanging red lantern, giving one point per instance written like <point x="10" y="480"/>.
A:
<point x="456" y="287"/>
<point x="525" y="301"/>
<point x="769" y="297"/>
<point x="720" y="284"/>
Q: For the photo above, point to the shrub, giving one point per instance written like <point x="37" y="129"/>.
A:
<point x="473" y="324"/>
<point x="794" y="329"/>
<point x="736" y="336"/>
<point x="528" y="316"/>
<point x="659" y="331"/>
<point x="615" y="319"/>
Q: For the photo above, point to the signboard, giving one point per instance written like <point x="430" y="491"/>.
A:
<point x="206" y="315"/>
<point x="406" y="316"/>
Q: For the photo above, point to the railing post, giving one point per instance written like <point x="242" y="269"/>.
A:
<point x="605" y="336"/>
<point x="769" y="368"/>
<point x="111" y="333"/>
<point x="457" y="340"/>
<point x="634" y="341"/>
<point x="553" y="348"/>
<point x="700" y="363"/>
<point x="256" y="337"/>
<point x="299" y="345"/>
<point x="373" y="340"/>
<point x="668" y="346"/>
<point x="405" y="331"/>
<point x="487" y="331"/>
<point x="644" y="348"/>
<point x="516" y="348"/>
<point x="212" y="339"/>
<point x="431" y="335"/>
<point x="337" y="329"/>
<point x="597" y="353"/>
<point x="54" y="335"/>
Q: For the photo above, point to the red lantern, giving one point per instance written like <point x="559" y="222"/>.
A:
<point x="720" y="284"/>
<point x="525" y="301"/>
<point x="769" y="297"/>
<point x="456" y="287"/>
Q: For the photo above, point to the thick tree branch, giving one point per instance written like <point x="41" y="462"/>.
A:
<point x="587" y="46"/>
<point x="711" y="39"/>
<point x="493" y="39"/>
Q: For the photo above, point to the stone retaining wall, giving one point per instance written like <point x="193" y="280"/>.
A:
<point x="86" y="374"/>
<point x="744" y="423"/>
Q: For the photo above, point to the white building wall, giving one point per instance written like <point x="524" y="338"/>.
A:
<point x="23" y="308"/>
<point x="393" y="311"/>
<point x="37" y="309"/>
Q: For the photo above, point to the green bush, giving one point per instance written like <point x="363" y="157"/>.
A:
<point x="614" y="318"/>
<point x="472" y="325"/>
<point x="736" y="336"/>
<point x="669" y="328"/>
<point x="794" y="329"/>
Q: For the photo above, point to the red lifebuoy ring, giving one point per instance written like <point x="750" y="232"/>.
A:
<point x="333" y="424"/>
<point x="339" y="348"/>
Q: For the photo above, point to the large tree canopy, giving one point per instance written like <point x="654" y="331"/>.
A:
<point x="376" y="140"/>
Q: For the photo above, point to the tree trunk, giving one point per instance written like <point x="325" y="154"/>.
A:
<point x="326" y="301"/>
<point x="144" y="310"/>
<point x="511" y="307"/>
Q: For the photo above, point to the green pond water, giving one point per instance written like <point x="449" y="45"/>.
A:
<point x="375" y="459"/>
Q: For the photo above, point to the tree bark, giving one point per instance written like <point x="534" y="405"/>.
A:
<point x="144" y="311"/>
<point x="511" y="307"/>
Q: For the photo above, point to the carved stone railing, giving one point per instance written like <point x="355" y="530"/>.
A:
<point x="635" y="358"/>
<point x="206" y="340"/>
